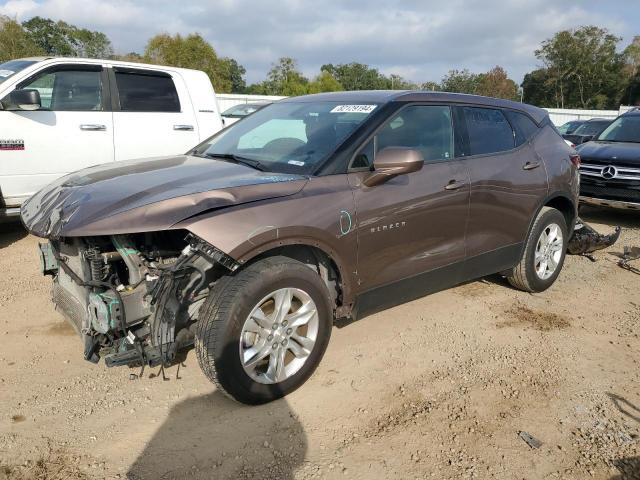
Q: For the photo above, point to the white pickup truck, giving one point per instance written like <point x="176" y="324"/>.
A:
<point x="58" y="115"/>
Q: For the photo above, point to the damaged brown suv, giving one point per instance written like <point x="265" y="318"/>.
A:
<point x="313" y="209"/>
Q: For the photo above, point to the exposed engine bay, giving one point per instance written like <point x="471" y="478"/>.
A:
<point x="134" y="299"/>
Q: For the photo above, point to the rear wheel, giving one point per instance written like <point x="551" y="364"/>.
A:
<point x="544" y="253"/>
<point x="262" y="332"/>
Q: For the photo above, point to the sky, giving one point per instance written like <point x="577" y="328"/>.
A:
<point x="419" y="40"/>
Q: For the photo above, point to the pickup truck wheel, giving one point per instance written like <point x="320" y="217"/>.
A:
<point x="263" y="331"/>
<point x="544" y="253"/>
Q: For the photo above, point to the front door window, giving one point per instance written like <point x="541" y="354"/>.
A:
<point x="69" y="90"/>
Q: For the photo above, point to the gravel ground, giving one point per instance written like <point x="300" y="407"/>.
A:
<point x="437" y="388"/>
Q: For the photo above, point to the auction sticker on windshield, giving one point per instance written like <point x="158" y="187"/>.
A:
<point x="6" y="73"/>
<point x="353" y="109"/>
<point x="11" y="145"/>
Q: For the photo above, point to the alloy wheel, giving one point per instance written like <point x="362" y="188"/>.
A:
<point x="548" y="251"/>
<point x="278" y="336"/>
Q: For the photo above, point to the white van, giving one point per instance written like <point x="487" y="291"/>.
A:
<point x="58" y="115"/>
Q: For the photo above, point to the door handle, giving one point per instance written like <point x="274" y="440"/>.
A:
<point x="530" y="165"/>
<point x="453" y="185"/>
<point x="183" y="128"/>
<point x="92" y="127"/>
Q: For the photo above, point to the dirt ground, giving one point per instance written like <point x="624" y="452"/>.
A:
<point x="437" y="388"/>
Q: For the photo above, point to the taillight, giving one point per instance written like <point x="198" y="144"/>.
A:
<point x="575" y="159"/>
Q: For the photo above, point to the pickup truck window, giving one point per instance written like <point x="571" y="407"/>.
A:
<point x="146" y="92"/>
<point x="9" y="69"/>
<point x="69" y="90"/>
<point x="288" y="137"/>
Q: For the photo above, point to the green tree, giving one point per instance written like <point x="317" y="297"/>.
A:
<point x="15" y="42"/>
<point x="460" y="81"/>
<point x="235" y="73"/>
<point x="496" y="83"/>
<point x="584" y="67"/>
<point x="284" y="78"/>
<point x="65" y="40"/>
<point x="92" y="44"/>
<point x="396" y="82"/>
<point x="430" y="86"/>
<point x="53" y="38"/>
<point x="194" y="52"/>
<point x="631" y="94"/>
<point x="129" y="57"/>
<point x="356" y="76"/>
<point x="324" y="82"/>
<point x="538" y="89"/>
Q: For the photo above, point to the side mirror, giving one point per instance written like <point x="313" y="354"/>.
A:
<point x="393" y="161"/>
<point x="27" y="99"/>
<point x="587" y="138"/>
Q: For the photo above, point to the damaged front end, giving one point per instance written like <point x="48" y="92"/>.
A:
<point x="133" y="298"/>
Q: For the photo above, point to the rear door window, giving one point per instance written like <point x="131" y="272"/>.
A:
<point x="146" y="92"/>
<point x="488" y="130"/>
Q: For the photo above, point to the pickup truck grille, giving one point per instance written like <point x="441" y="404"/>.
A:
<point x="610" y="172"/>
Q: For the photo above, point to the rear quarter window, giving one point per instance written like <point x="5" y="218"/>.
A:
<point x="523" y="126"/>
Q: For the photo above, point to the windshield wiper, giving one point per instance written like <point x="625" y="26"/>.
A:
<point x="230" y="157"/>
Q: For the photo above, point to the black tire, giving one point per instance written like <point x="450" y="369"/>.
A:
<point x="524" y="276"/>
<point x="222" y="318"/>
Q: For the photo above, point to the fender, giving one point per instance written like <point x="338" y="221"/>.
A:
<point x="298" y="236"/>
<point x="322" y="215"/>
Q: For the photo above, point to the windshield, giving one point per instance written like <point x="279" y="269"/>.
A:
<point x="10" y="68"/>
<point x="242" y="110"/>
<point x="290" y="137"/>
<point x="623" y="129"/>
<point x="569" y="127"/>
<point x="590" y="128"/>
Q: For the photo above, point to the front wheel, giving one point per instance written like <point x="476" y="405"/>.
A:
<point x="544" y="253"/>
<point x="262" y="332"/>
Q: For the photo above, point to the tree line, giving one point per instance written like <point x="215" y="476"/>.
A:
<point x="581" y="68"/>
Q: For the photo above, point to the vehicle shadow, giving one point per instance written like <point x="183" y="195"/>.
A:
<point x="610" y="216"/>
<point x="625" y="407"/>
<point x="629" y="468"/>
<point x="211" y="436"/>
<point x="10" y="232"/>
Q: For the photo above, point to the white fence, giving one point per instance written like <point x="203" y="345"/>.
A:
<point x="557" y="115"/>
<point x="560" y="116"/>
<point x="228" y="100"/>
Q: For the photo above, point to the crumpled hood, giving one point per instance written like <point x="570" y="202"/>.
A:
<point x="604" y="153"/>
<point x="147" y="195"/>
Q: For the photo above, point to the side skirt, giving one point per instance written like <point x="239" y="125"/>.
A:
<point x="408" y="289"/>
